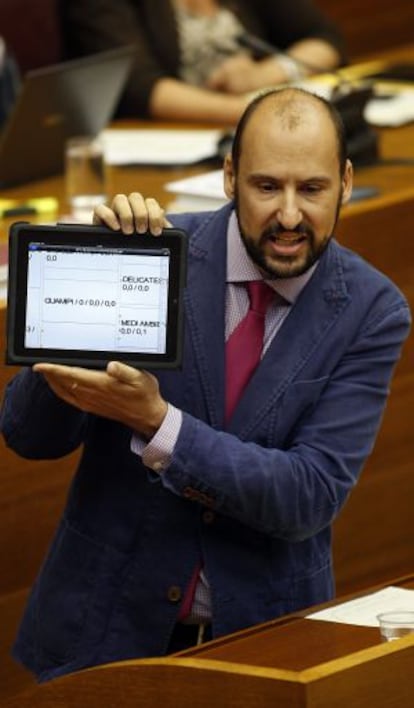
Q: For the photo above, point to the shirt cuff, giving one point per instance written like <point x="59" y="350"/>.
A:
<point x="157" y="453"/>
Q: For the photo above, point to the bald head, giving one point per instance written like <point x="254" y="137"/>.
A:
<point x="290" y="109"/>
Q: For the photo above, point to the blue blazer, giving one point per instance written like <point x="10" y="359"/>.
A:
<point x="256" y="500"/>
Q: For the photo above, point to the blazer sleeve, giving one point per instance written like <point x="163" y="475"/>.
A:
<point x="37" y="424"/>
<point x="295" y="488"/>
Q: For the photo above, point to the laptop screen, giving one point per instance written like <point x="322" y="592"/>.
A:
<point x="77" y="97"/>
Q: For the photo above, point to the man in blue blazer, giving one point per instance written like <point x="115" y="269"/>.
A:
<point x="166" y="484"/>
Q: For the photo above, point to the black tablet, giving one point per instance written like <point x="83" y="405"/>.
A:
<point x="86" y="295"/>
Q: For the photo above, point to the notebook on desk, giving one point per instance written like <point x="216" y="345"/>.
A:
<point x="76" y="97"/>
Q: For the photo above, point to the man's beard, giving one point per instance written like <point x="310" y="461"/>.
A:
<point x="284" y="266"/>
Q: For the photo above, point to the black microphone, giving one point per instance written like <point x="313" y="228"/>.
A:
<point x="261" y="49"/>
<point x="258" y="47"/>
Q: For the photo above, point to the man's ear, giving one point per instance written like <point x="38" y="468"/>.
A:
<point x="229" y="177"/>
<point x="347" y="181"/>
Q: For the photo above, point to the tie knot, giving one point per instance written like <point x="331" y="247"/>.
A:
<point x="260" y="296"/>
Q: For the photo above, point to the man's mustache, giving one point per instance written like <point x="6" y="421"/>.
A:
<point x="278" y="230"/>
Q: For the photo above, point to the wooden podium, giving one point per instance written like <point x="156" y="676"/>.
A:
<point x="292" y="662"/>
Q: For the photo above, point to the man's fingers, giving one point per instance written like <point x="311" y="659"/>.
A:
<point x="132" y="213"/>
<point x="122" y="208"/>
<point x="122" y="372"/>
<point x="105" y="216"/>
<point x="148" y="214"/>
<point x="71" y="377"/>
<point x="57" y="369"/>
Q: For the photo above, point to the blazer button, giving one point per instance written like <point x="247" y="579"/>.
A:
<point x="174" y="593"/>
<point x="208" y="517"/>
<point x="188" y="492"/>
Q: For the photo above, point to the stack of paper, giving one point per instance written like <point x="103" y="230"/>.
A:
<point x="364" y="610"/>
<point x="159" y="147"/>
<point x="200" y="193"/>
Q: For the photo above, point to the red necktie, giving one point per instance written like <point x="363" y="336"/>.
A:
<point x="189" y="593"/>
<point x="245" y="344"/>
<point x="243" y="353"/>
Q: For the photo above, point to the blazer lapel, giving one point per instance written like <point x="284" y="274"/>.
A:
<point x="205" y="302"/>
<point x="301" y="335"/>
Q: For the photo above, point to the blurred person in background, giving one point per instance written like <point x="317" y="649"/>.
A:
<point x="190" y="61"/>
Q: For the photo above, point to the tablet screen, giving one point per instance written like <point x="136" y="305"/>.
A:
<point x="85" y="295"/>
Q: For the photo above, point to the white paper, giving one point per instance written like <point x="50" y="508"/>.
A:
<point x="159" y="147"/>
<point x="393" y="111"/>
<point x="208" y="184"/>
<point x="202" y="192"/>
<point x="364" y="610"/>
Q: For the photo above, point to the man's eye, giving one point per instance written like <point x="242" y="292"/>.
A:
<point x="267" y="186"/>
<point x="311" y="188"/>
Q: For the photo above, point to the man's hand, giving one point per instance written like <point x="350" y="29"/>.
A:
<point x="120" y="393"/>
<point x="132" y="213"/>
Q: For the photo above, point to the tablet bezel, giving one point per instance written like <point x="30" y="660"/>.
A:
<point x="81" y="236"/>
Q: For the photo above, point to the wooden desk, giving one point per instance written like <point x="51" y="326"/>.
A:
<point x="293" y="662"/>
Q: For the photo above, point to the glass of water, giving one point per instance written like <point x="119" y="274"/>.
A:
<point x="394" y="625"/>
<point x="85" y="178"/>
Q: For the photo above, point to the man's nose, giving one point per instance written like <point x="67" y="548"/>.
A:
<point x="289" y="214"/>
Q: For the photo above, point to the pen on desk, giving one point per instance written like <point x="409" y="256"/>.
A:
<point x="17" y="211"/>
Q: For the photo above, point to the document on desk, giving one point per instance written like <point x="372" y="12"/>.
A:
<point x="364" y="610"/>
<point x="391" y="110"/>
<point x="159" y="147"/>
<point x="198" y="193"/>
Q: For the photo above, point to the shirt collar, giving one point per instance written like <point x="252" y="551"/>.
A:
<point x="240" y="267"/>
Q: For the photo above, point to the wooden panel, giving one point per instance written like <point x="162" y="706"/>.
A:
<point x="374" y="535"/>
<point x="324" y="642"/>
<point x="370" y="26"/>
<point x="32" y="494"/>
<point x="13" y="677"/>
